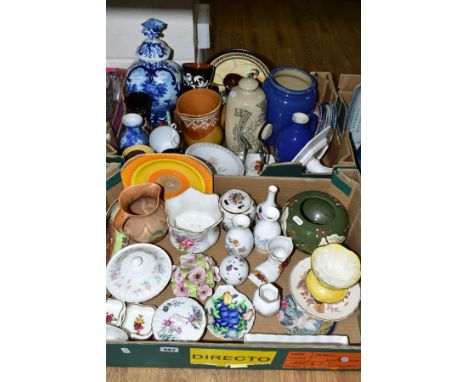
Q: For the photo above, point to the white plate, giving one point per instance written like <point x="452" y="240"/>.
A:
<point x="179" y="319"/>
<point x="316" y="147"/>
<point x="323" y="311"/>
<point x="138" y="272"/>
<point x="222" y="159"/>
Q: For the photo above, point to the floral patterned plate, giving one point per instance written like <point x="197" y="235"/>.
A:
<point x="296" y="321"/>
<point x="223" y="160"/>
<point x="138" y="320"/>
<point x="230" y="313"/>
<point x="322" y="311"/>
<point x="115" y="311"/>
<point x="138" y="272"/>
<point x="179" y="319"/>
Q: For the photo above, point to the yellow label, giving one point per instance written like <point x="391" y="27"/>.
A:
<point x="234" y="358"/>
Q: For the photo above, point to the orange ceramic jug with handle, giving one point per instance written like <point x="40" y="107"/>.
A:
<point x="199" y="112"/>
<point x="141" y="215"/>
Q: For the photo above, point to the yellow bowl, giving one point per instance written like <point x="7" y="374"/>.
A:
<point x="323" y="293"/>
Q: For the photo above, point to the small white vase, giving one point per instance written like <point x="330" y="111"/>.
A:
<point x="269" y="202"/>
<point x="266" y="300"/>
<point x="267" y="228"/>
<point x="279" y="249"/>
<point x="240" y="240"/>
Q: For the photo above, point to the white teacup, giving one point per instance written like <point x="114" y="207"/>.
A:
<point x="164" y="138"/>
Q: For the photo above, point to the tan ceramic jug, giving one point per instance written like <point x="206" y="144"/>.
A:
<point x="141" y="215"/>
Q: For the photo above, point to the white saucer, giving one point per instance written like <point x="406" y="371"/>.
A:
<point x="222" y="159"/>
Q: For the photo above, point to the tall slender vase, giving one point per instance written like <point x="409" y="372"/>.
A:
<point x="268" y="202"/>
<point x="267" y="228"/>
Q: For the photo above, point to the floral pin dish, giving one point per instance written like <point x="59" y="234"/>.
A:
<point x="138" y="321"/>
<point x="138" y="272"/>
<point x="114" y="333"/>
<point x="179" y="319"/>
<point x="230" y="313"/>
<point x="115" y="312"/>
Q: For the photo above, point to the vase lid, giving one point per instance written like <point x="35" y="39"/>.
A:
<point x="152" y="48"/>
<point x="236" y="201"/>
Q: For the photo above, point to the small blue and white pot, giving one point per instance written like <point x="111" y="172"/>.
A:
<point x="153" y="73"/>
<point x="132" y="132"/>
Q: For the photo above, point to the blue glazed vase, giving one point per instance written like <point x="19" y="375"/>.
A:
<point x="288" y="90"/>
<point x="295" y="136"/>
<point x="154" y="74"/>
<point x="132" y="131"/>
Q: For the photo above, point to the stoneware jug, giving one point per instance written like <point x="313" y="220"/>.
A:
<point x="295" y="136"/>
<point x="245" y="115"/>
<point x="239" y="239"/>
<point x="198" y="112"/>
<point x="279" y="249"/>
<point x="141" y="215"/>
<point x="288" y="90"/>
<point x="154" y="73"/>
<point x="267" y="228"/>
<point x="266" y="300"/>
<point x="193" y="219"/>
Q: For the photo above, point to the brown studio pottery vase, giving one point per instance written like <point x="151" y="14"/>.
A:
<point x="141" y="215"/>
<point x="198" y="111"/>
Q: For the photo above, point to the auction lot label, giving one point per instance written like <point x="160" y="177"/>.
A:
<point x="226" y="357"/>
<point x="322" y="360"/>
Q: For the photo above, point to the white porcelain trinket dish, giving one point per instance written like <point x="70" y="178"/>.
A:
<point x="179" y="319"/>
<point x="114" y="333"/>
<point x="115" y="311"/>
<point x="138" y="272"/>
<point x="138" y="321"/>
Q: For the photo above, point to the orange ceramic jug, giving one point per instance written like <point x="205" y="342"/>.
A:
<point x="198" y="111"/>
<point x="141" y="215"/>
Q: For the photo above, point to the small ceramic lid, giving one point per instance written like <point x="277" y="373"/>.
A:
<point x="179" y="319"/>
<point x="153" y="49"/>
<point x="138" y="272"/>
<point x="248" y="84"/>
<point x="236" y="201"/>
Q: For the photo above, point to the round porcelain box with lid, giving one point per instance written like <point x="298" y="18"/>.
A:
<point x="235" y="202"/>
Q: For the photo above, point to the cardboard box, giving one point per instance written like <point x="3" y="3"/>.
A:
<point x="212" y="352"/>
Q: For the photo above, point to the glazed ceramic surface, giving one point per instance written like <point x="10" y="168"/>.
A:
<point x="268" y="202"/>
<point x="239" y="239"/>
<point x="138" y="321"/>
<point x="153" y="73"/>
<point x="115" y="311"/>
<point x="236" y="202"/>
<point x="294" y="136"/>
<point x="175" y="173"/>
<point x="138" y="272"/>
<point x="230" y="313"/>
<point x="179" y="319"/>
<point x="313" y="219"/>
<point x="223" y="160"/>
<point x="279" y="249"/>
<point x="114" y="333"/>
<point x="292" y="318"/>
<point x="234" y="270"/>
<point x="245" y="115"/>
<point x="315" y="148"/>
<point x="164" y="138"/>
<point x="266" y="300"/>
<point x="133" y="151"/>
<point x="197" y="75"/>
<point x="115" y="240"/>
<point x="253" y="163"/>
<point x="240" y="62"/>
<point x="193" y="218"/>
<point x="322" y="311"/>
<point x="288" y="90"/>
<point x="195" y="276"/>
<point x="141" y="215"/>
<point x="322" y="292"/>
<point x="267" y="228"/>
<point x="198" y="111"/>
<point x="132" y="132"/>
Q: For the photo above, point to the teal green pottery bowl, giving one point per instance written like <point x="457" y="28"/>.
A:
<point x="313" y="218"/>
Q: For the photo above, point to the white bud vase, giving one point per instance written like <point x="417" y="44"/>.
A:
<point x="269" y="202"/>
<point x="240" y="240"/>
<point x="266" y="300"/>
<point x="267" y="228"/>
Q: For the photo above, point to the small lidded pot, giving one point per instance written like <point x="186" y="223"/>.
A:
<point x="236" y="202"/>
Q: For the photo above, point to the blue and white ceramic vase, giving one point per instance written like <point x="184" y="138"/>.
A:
<point x="153" y="73"/>
<point x="288" y="90"/>
<point x="295" y="136"/>
<point x="132" y="132"/>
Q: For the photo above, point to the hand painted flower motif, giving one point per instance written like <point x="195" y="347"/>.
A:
<point x="188" y="260"/>
<point x="167" y="323"/>
<point x="204" y="292"/>
<point x="178" y="330"/>
<point x="197" y="276"/>
<point x="184" y="243"/>
<point x="181" y="290"/>
<point x="284" y="303"/>
<point x="109" y="318"/>
<point x="138" y="323"/>
<point x="217" y="276"/>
